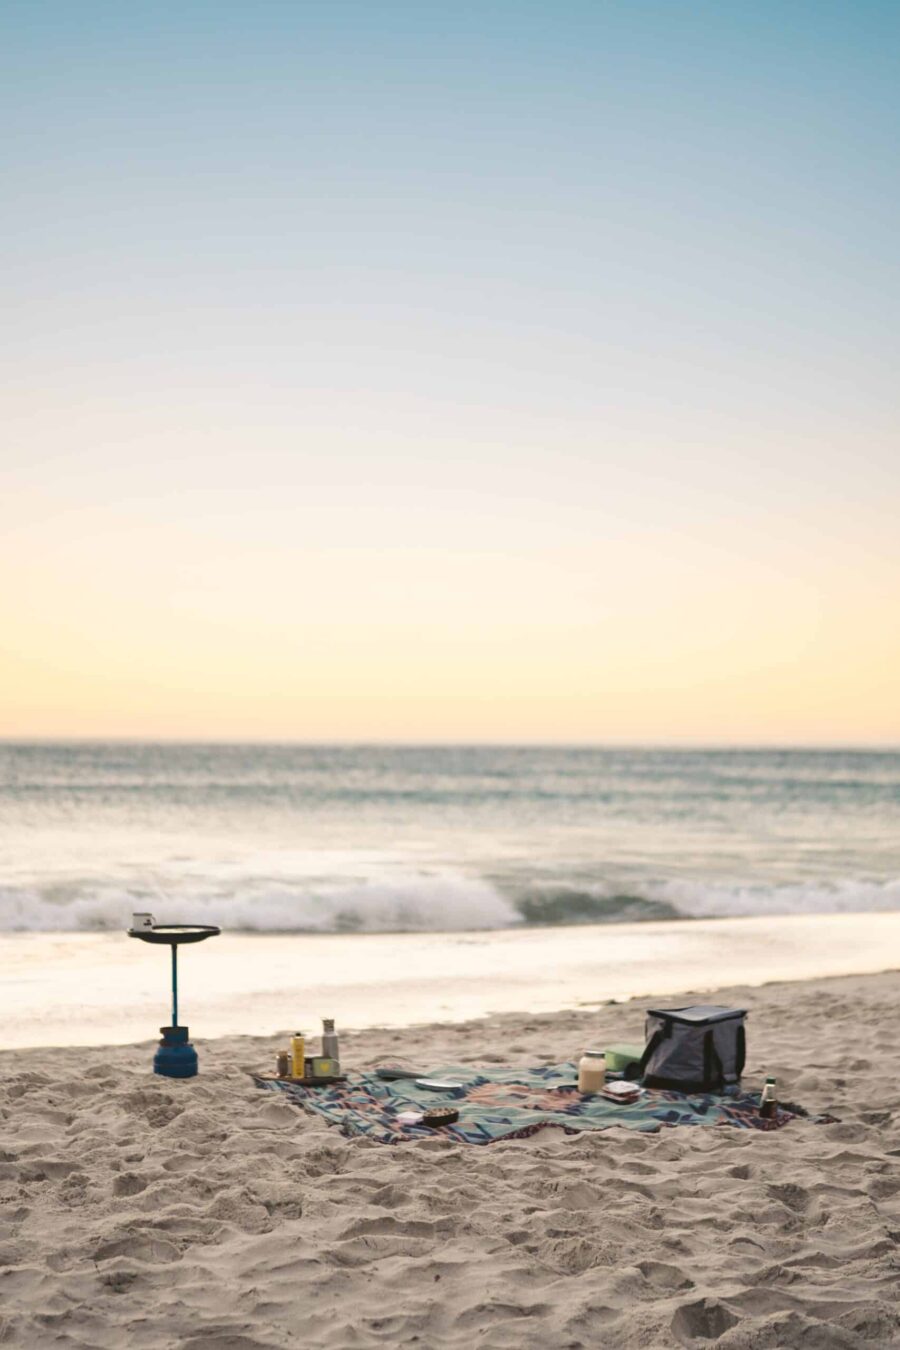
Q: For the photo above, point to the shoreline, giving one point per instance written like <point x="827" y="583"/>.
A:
<point x="82" y="989"/>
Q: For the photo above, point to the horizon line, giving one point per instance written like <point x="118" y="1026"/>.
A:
<point x="891" y="747"/>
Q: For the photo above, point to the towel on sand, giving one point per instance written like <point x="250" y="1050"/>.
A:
<point x="510" y="1103"/>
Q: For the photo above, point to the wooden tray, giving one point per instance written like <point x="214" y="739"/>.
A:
<point x="304" y="1082"/>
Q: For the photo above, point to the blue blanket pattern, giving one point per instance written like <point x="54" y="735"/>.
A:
<point x="498" y="1104"/>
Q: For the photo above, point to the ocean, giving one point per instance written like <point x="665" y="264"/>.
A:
<point x="346" y="839"/>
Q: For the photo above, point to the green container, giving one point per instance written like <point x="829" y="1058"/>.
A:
<point x="618" y="1057"/>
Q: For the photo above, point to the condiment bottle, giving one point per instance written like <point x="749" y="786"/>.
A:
<point x="768" y="1101"/>
<point x="298" y="1047"/>
<point x="283" y="1064"/>
<point x="591" y="1071"/>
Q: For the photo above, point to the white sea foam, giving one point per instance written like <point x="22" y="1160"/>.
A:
<point x="419" y="902"/>
<point x="401" y="904"/>
<point x="716" y="899"/>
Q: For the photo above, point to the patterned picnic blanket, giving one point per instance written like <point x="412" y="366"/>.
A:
<point x="509" y="1103"/>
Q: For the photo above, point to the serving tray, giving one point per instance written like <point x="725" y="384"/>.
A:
<point x="321" y="1081"/>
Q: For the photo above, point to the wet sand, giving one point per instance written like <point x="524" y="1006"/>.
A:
<point x="103" y="989"/>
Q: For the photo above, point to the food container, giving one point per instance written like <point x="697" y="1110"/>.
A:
<point x="322" y="1066"/>
<point x="591" y="1072"/>
<point x="440" y="1115"/>
<point x="618" y="1057"/>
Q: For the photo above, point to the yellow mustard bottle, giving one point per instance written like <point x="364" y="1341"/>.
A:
<point x="298" y="1049"/>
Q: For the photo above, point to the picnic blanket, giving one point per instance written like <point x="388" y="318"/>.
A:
<point x="511" y="1103"/>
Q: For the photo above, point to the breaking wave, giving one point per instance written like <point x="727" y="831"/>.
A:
<point x="427" y="902"/>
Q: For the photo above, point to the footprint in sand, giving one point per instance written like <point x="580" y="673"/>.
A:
<point x="705" y="1320"/>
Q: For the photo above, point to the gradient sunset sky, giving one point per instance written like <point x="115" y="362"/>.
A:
<point x="451" y="371"/>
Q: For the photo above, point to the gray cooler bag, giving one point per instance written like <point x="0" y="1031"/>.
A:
<point x="695" y="1049"/>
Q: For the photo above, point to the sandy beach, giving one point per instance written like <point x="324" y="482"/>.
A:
<point x="208" y="1215"/>
<point x="450" y="502"/>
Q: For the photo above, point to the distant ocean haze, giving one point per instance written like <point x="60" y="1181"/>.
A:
<point x="366" y="839"/>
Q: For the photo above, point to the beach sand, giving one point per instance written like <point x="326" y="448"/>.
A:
<point x="208" y="1215"/>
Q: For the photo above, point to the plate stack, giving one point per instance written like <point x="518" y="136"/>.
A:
<point x="622" y="1092"/>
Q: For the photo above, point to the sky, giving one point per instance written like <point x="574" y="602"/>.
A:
<point x="498" y="371"/>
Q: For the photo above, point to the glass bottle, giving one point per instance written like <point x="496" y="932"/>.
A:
<point x="591" y="1071"/>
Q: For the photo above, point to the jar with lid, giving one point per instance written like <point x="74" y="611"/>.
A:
<point x="591" y="1071"/>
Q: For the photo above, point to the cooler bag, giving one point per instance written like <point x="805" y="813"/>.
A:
<point x="695" y="1049"/>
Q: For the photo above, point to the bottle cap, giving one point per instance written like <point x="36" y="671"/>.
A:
<point x="596" y="1054"/>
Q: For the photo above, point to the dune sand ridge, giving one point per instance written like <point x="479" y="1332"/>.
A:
<point x="208" y="1215"/>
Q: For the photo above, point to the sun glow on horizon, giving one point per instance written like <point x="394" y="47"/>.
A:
<point x="465" y="381"/>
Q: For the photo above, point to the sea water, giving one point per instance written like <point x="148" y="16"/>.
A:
<point x="366" y="839"/>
